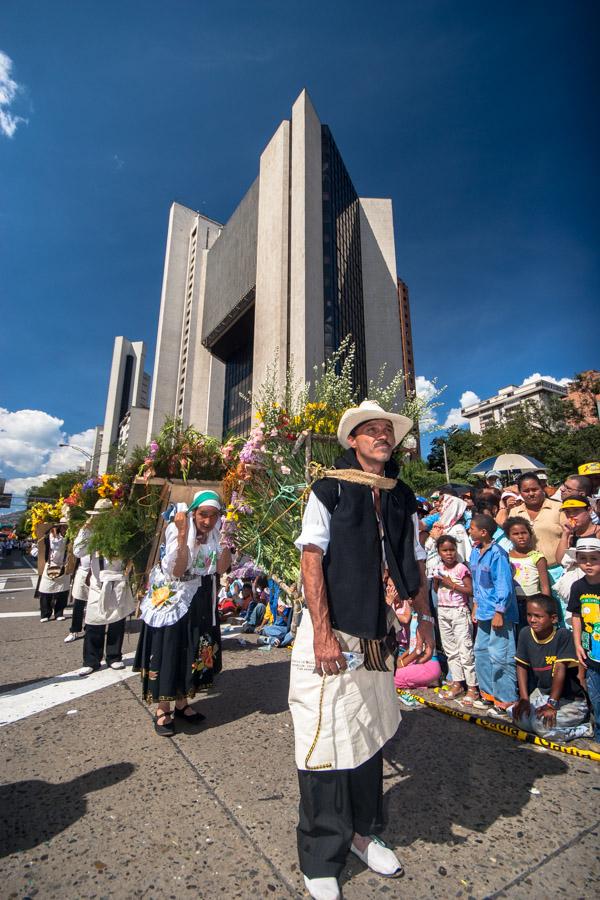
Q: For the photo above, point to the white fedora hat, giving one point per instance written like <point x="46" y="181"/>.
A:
<point x="368" y="410"/>
<point x="100" y="506"/>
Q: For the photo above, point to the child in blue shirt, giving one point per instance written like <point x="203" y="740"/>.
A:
<point x="496" y="613"/>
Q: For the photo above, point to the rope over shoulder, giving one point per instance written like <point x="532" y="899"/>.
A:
<point x="354" y="476"/>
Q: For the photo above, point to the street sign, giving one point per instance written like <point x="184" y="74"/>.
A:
<point x="5" y="501"/>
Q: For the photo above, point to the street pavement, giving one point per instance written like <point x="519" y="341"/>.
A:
<point x="95" y="805"/>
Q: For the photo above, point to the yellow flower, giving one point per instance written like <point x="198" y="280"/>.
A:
<point x="160" y="595"/>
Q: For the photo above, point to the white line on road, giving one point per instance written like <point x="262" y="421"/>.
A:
<point x="17" y="615"/>
<point x="35" y="698"/>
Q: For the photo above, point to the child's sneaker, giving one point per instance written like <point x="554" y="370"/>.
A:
<point x="407" y="699"/>
<point x="496" y="712"/>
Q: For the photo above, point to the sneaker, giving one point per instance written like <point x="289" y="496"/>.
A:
<point x="72" y="636"/>
<point x="247" y="629"/>
<point x="117" y="664"/>
<point x="379" y="858"/>
<point x="481" y="704"/>
<point x="85" y="670"/>
<point x="323" y="888"/>
<point x="44" y="620"/>
<point x="59" y="618"/>
<point x="496" y="712"/>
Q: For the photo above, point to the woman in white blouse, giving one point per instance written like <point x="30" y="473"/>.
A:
<point x="179" y="650"/>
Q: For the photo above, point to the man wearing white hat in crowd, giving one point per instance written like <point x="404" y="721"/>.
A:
<point x="109" y="601"/>
<point x="359" y="544"/>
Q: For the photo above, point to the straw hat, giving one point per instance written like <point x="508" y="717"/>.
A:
<point x="368" y="410"/>
<point x="100" y="506"/>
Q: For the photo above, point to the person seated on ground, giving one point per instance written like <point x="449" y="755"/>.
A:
<point x="258" y="607"/>
<point x="410" y="672"/>
<point x="556" y="708"/>
<point x="246" y="599"/>
<point x="227" y="607"/>
<point x="277" y="633"/>
<point x="225" y="585"/>
<point x="529" y="566"/>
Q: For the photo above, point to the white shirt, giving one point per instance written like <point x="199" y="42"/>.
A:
<point x="316" y="528"/>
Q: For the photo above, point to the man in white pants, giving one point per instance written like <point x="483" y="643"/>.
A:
<point x="359" y="529"/>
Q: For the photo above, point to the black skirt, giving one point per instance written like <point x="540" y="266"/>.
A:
<point x="179" y="660"/>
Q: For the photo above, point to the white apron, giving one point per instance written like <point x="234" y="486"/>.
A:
<point x="360" y="709"/>
<point x="53" y="585"/>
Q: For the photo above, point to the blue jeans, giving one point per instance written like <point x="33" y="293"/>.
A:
<point x="255" y="614"/>
<point x="592" y="680"/>
<point x="495" y="662"/>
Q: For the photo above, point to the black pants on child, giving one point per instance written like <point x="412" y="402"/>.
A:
<point x="333" y="806"/>
<point x="50" y="602"/>
<point x="93" y="643"/>
<point x="78" y="613"/>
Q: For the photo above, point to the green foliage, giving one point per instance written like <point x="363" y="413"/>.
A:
<point x="126" y="532"/>
<point x="56" y="486"/>
<point x="421" y="479"/>
<point x="176" y="452"/>
<point x="547" y="433"/>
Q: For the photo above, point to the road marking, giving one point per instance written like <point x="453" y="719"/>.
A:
<point x="34" y="698"/>
<point x="17" y="615"/>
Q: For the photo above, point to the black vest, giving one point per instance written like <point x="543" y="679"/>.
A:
<point x="352" y="564"/>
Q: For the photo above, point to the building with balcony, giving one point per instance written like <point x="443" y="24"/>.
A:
<point x="499" y="408"/>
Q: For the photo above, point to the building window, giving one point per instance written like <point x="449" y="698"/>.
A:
<point x="342" y="262"/>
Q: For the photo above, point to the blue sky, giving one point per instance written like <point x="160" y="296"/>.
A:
<point x="478" y="119"/>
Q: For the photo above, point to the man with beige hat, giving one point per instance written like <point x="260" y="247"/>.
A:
<point x="360" y="548"/>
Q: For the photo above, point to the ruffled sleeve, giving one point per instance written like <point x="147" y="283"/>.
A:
<point x="171" y="548"/>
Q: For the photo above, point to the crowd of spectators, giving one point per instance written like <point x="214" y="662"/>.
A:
<point x="514" y="578"/>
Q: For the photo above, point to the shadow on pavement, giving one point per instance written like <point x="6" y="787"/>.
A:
<point x="18" y="685"/>
<point x="456" y="774"/>
<point x="35" y="811"/>
<point x="240" y="692"/>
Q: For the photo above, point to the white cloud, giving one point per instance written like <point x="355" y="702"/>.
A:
<point x="455" y="417"/>
<point x="426" y="390"/>
<point x="29" y="445"/>
<point x="9" y="89"/>
<point x="564" y="382"/>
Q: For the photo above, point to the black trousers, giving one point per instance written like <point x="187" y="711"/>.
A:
<point x="78" y="613"/>
<point x="334" y="805"/>
<point x="93" y="643"/>
<point x="48" y="602"/>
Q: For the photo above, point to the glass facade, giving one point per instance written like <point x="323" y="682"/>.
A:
<point x="342" y="263"/>
<point x="237" y="411"/>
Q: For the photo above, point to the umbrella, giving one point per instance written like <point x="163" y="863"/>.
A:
<point x="508" y="462"/>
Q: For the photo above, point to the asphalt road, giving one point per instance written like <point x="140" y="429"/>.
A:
<point x="95" y="805"/>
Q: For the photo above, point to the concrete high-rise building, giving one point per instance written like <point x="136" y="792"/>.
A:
<point x="408" y="357"/>
<point x="302" y="262"/>
<point x="126" y="416"/>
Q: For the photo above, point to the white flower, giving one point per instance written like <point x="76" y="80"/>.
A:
<point x="285" y="470"/>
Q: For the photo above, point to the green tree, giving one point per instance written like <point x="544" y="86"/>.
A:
<point x="56" y="486"/>
<point x="421" y="479"/>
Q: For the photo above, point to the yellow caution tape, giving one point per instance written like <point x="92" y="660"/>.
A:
<point x="503" y="728"/>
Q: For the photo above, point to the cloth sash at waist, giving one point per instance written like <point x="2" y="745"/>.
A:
<point x="359" y="710"/>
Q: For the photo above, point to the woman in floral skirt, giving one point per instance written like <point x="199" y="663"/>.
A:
<point x="179" y="650"/>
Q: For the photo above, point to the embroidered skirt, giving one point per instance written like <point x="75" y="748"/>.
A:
<point x="180" y="660"/>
